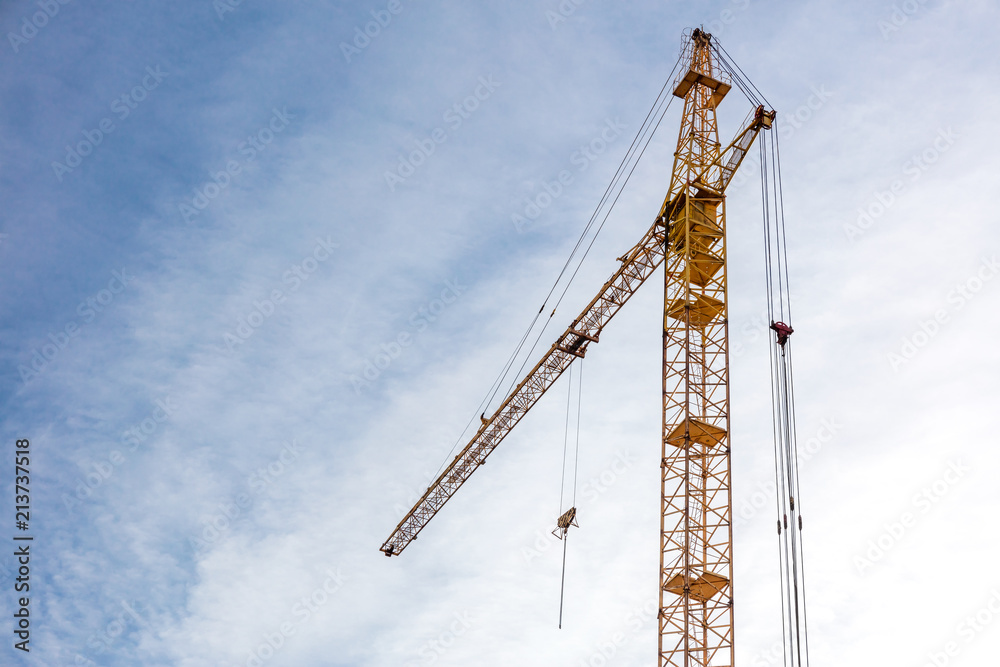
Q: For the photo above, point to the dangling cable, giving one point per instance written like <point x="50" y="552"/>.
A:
<point x="615" y="188"/>
<point x="795" y="633"/>
<point x="791" y="408"/>
<point x="778" y="467"/>
<point x="738" y="75"/>
<point x="579" y="404"/>
<point x="562" y="485"/>
<point x="569" y="399"/>
<point x="562" y="583"/>
<point x="568" y="518"/>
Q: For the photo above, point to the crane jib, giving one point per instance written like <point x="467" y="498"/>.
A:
<point x="637" y="265"/>
<point x="641" y="261"/>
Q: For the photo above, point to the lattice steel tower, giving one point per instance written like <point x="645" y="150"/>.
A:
<point x="696" y="608"/>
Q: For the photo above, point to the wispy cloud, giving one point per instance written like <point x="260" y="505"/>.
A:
<point x="260" y="263"/>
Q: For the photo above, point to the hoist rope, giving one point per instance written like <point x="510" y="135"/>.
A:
<point x="795" y="632"/>
<point x="576" y="466"/>
<point x="778" y="469"/>
<point x="739" y="76"/>
<point x="562" y="476"/>
<point x="562" y="584"/>
<point x="579" y="405"/>
<point x="791" y="388"/>
<point x="787" y="433"/>
<point x="648" y="137"/>
<point x="576" y="453"/>
<point x="642" y="137"/>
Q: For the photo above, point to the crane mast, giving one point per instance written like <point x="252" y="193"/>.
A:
<point x="688" y="237"/>
<point x="696" y="602"/>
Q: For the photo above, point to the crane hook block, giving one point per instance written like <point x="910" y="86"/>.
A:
<point x="564" y="522"/>
<point x="783" y="330"/>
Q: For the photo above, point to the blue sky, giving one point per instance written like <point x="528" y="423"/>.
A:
<point x="201" y="255"/>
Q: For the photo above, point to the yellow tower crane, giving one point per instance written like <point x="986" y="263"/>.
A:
<point x="688" y="236"/>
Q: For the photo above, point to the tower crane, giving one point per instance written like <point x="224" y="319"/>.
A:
<point x="687" y="236"/>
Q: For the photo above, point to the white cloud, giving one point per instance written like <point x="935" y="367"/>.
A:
<point x="465" y="593"/>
